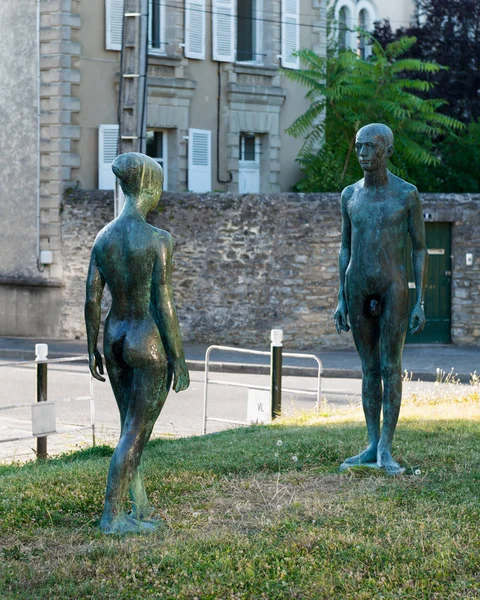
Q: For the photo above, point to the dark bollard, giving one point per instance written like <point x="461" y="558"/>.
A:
<point x="276" y="372"/>
<point x="41" y="351"/>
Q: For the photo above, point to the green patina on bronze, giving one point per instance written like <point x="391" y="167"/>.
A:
<point x="142" y="345"/>
<point x="378" y="212"/>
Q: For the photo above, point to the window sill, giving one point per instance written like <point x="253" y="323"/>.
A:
<point x="163" y="60"/>
<point x="253" y="69"/>
<point x="157" y="53"/>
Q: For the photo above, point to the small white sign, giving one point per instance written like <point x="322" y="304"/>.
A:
<point x="259" y="408"/>
<point x="43" y="418"/>
<point x="411" y="285"/>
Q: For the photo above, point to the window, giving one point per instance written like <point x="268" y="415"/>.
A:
<point x="107" y="152"/>
<point x="157" y="149"/>
<point x="366" y="17"/>
<point x="195" y="11"/>
<point x="247" y="147"/>
<point x="349" y="16"/>
<point x="249" y="31"/>
<point x="249" y="164"/>
<point x="156" y="27"/>
<point x="113" y="24"/>
<point x="343" y="28"/>
<point x="199" y="160"/>
<point x="290" y="33"/>
<point x="345" y="12"/>
<point x="362" y="41"/>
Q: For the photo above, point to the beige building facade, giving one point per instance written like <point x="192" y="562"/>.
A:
<point x="215" y="92"/>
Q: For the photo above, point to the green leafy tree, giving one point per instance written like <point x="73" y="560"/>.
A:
<point x="459" y="167"/>
<point x="346" y="93"/>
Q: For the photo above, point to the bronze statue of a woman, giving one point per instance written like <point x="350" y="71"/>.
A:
<point x="142" y="345"/>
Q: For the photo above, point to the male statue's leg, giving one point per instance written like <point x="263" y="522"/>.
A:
<point x="366" y="333"/>
<point x="393" y="327"/>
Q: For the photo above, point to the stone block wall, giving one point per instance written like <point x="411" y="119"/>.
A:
<point x="247" y="264"/>
<point x="83" y="215"/>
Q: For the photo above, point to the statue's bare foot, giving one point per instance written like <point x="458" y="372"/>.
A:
<point x="385" y="461"/>
<point x="123" y="524"/>
<point x="368" y="456"/>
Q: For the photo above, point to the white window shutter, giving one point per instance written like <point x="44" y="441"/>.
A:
<point x="223" y="30"/>
<point x="290" y="33"/>
<point x="199" y="160"/>
<point x="195" y="29"/>
<point x="114" y="24"/>
<point x="107" y="152"/>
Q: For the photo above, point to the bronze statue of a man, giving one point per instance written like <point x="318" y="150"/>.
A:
<point x="378" y="212"/>
<point x="142" y="345"/>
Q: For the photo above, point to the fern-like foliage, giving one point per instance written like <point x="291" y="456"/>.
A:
<point x="346" y="93"/>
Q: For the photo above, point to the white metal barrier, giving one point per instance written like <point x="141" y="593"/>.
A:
<point x="90" y="398"/>
<point x="316" y="392"/>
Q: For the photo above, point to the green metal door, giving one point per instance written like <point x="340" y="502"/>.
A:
<point x="438" y="291"/>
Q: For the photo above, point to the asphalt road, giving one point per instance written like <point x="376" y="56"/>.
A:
<point x="182" y="414"/>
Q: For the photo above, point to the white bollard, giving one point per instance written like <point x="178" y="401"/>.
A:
<point x="41" y="352"/>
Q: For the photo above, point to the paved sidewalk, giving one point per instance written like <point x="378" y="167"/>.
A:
<point x="422" y="361"/>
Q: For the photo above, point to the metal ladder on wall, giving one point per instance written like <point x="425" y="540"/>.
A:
<point x="132" y="100"/>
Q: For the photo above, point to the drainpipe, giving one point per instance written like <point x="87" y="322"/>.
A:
<point x="219" y="94"/>
<point x="40" y="267"/>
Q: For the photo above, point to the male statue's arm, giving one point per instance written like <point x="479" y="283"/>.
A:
<point x="416" y="228"/>
<point x="93" y="313"/>
<point x="341" y="314"/>
<point x="167" y="313"/>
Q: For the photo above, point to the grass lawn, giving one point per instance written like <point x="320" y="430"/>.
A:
<point x="243" y="519"/>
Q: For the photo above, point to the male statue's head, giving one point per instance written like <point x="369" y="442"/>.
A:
<point x="374" y="146"/>
<point x="141" y="179"/>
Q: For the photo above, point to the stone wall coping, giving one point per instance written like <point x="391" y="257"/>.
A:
<point x="81" y="195"/>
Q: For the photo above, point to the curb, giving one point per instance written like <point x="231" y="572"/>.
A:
<point x="252" y="369"/>
<point x="328" y="373"/>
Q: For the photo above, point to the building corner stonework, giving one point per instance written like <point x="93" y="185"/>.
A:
<point x="59" y="129"/>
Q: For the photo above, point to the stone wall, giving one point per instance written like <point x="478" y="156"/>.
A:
<point x="247" y="264"/>
<point x="83" y="215"/>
